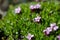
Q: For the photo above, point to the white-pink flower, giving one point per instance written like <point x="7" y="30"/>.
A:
<point x="29" y="36"/>
<point x="38" y="6"/>
<point x="37" y="19"/>
<point x="54" y="27"/>
<point x="47" y="31"/>
<point x="53" y="24"/>
<point x="17" y="10"/>
<point x="35" y="6"/>
<point x="58" y="37"/>
<point x="31" y="6"/>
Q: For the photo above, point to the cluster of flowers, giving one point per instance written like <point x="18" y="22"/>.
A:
<point x="35" y="8"/>
<point x="52" y="27"/>
<point x="48" y="30"/>
<point x="37" y="19"/>
<point x="32" y="7"/>
<point x="30" y="36"/>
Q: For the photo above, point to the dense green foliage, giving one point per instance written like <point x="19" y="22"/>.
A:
<point x="12" y="23"/>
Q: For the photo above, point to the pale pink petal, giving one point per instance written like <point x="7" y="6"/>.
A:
<point x="31" y="7"/>
<point x="55" y="28"/>
<point x="53" y="24"/>
<point x="49" y="29"/>
<point x="38" y="6"/>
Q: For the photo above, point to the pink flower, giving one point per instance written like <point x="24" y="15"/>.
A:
<point x="35" y="6"/>
<point x="58" y="37"/>
<point x="53" y="26"/>
<point x="29" y="36"/>
<point x="18" y="10"/>
<point x="37" y="19"/>
<point x="38" y="6"/>
<point x="32" y="7"/>
<point x="47" y="31"/>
